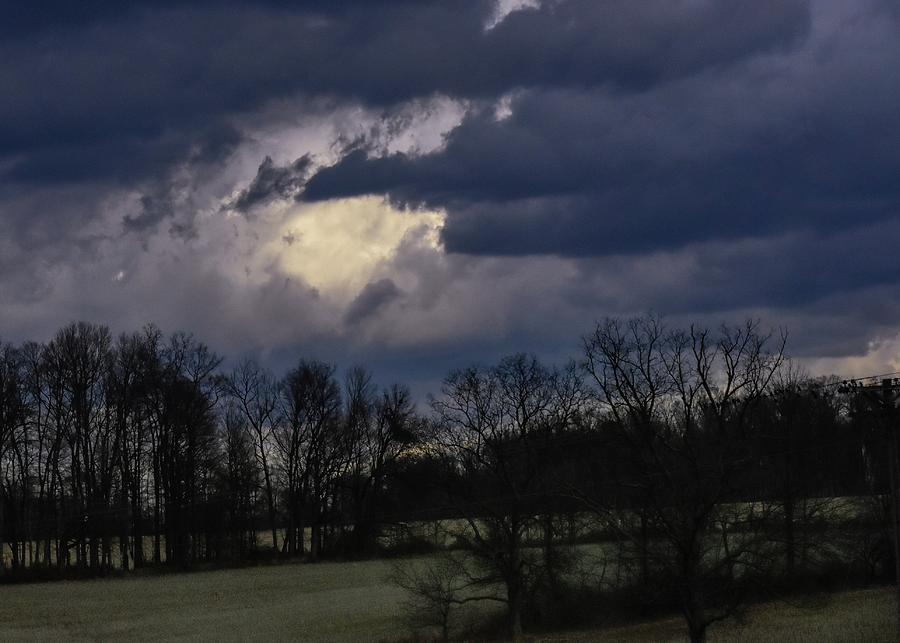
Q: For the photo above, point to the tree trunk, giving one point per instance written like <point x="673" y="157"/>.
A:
<point x="644" y="547"/>
<point x="270" y="500"/>
<point x="301" y="533"/>
<point x="551" y="563"/>
<point x="123" y="532"/>
<point x="137" y="533"/>
<point x="157" y="526"/>
<point x="47" y="549"/>
<point x="94" y="549"/>
<point x="790" y="546"/>
<point x="291" y="535"/>
<point x="315" y="543"/>
<point x="514" y="615"/>
<point x="2" y="538"/>
<point x="697" y="632"/>
<point x="514" y="592"/>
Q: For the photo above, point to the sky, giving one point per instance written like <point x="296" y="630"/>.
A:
<point x="419" y="185"/>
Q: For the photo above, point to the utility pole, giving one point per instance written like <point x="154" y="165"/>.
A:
<point x="883" y="397"/>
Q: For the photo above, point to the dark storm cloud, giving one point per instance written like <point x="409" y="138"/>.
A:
<point x="796" y="270"/>
<point x="699" y="157"/>
<point x="26" y="19"/>
<point x="138" y="81"/>
<point x="273" y="182"/>
<point x="371" y="299"/>
<point x="805" y="143"/>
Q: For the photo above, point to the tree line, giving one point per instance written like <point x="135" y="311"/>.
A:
<point x="711" y="468"/>
<point x="116" y="453"/>
<point x="704" y="455"/>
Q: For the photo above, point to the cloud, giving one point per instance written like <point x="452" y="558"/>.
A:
<point x="273" y="182"/>
<point x="791" y="141"/>
<point x="153" y="210"/>
<point x="474" y="177"/>
<point x="144" y="107"/>
<point x="375" y="296"/>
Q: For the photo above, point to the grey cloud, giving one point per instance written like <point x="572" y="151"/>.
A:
<point x="704" y="159"/>
<point x="156" y="92"/>
<point x="153" y="209"/>
<point x="273" y="182"/>
<point x="372" y="298"/>
<point x="789" y="273"/>
<point x="803" y="140"/>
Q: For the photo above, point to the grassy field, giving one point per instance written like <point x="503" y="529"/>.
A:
<point x="334" y="602"/>
<point x="848" y="617"/>
<point x="352" y="601"/>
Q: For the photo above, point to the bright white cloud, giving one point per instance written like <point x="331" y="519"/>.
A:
<point x="506" y="7"/>
<point x="340" y="246"/>
<point x="882" y="356"/>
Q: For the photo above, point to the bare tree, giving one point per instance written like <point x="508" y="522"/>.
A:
<point x="494" y="427"/>
<point x="12" y="418"/>
<point x="312" y="443"/>
<point x="379" y="428"/>
<point x="82" y="355"/>
<point x="256" y="393"/>
<point x="240" y="478"/>
<point x="436" y="589"/>
<point x="807" y="455"/>
<point x="182" y="401"/>
<point x="680" y="404"/>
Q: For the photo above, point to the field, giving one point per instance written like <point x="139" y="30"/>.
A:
<point x="351" y="601"/>
<point x="335" y="602"/>
<point x="848" y="617"/>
